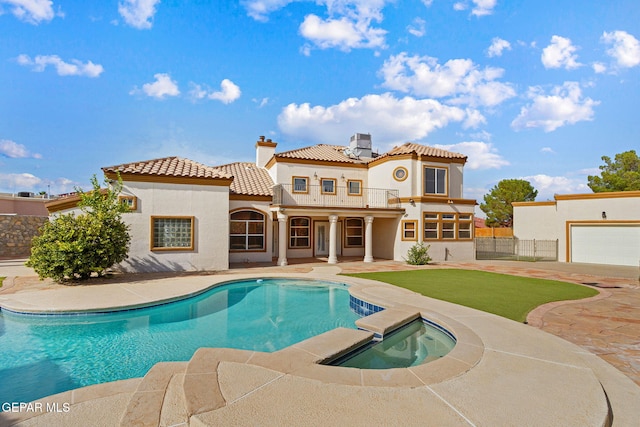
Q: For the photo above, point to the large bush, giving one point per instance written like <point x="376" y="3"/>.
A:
<point x="75" y="246"/>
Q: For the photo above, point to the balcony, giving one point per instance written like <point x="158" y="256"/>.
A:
<point x="368" y="198"/>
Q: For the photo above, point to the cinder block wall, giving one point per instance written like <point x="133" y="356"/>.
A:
<point x="16" y="233"/>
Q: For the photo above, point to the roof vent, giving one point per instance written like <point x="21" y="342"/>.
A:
<point x="360" y="145"/>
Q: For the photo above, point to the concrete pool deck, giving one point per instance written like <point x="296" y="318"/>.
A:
<point x="500" y="373"/>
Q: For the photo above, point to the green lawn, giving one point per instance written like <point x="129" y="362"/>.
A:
<point x="507" y="296"/>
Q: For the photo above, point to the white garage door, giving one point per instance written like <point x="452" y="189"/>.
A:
<point x="606" y="244"/>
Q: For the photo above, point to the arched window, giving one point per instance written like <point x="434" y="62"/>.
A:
<point x="247" y="231"/>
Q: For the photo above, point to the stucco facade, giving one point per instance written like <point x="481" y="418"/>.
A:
<point x="594" y="228"/>
<point x="323" y="201"/>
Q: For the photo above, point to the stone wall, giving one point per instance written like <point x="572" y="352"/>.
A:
<point x="16" y="232"/>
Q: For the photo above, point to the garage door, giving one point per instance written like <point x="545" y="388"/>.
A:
<point x="606" y="244"/>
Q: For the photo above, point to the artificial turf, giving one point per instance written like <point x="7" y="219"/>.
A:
<point x="508" y="296"/>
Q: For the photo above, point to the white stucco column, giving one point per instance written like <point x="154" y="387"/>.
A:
<point x="368" y="239"/>
<point x="333" y="239"/>
<point x="282" y="238"/>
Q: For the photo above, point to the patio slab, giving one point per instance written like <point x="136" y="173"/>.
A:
<point x="521" y="376"/>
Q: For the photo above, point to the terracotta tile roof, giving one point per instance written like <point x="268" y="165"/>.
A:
<point x="335" y="153"/>
<point x="320" y="152"/>
<point x="169" y="166"/>
<point x="422" y="150"/>
<point x="248" y="179"/>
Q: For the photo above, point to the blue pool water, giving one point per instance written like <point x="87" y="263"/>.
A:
<point x="43" y="355"/>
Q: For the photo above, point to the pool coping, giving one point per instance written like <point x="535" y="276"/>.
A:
<point x="469" y="363"/>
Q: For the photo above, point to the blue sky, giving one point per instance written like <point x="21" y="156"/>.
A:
<point x="538" y="90"/>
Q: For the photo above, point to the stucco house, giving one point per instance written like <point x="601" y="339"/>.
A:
<point x="600" y="228"/>
<point x="323" y="201"/>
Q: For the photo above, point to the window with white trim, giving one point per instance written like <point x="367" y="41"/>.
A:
<point x="447" y="226"/>
<point x="299" y="232"/>
<point x="300" y="184"/>
<point x="328" y="185"/>
<point x="354" y="188"/>
<point x="435" y="180"/>
<point x="246" y="231"/>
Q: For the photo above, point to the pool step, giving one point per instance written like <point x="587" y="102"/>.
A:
<point x="146" y="404"/>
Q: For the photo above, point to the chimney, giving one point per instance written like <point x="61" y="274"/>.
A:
<point x="265" y="149"/>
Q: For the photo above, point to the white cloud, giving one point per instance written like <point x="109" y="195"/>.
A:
<point x="391" y="120"/>
<point x="548" y="186"/>
<point x="345" y="32"/>
<point x="458" y="79"/>
<point x="560" y="54"/>
<point x="228" y="92"/>
<point x="547" y="150"/>
<point x="14" y="150"/>
<point x="19" y="181"/>
<point x="73" y="68"/>
<point x="565" y="105"/>
<point x="498" y="45"/>
<point x="163" y="86"/>
<point x="459" y="6"/>
<point x="474" y="119"/>
<point x="32" y="11"/>
<point x="418" y="27"/>
<point x="138" y="13"/>
<point x="260" y="9"/>
<point x="348" y="24"/>
<point x="625" y="48"/>
<point x="599" y="67"/>
<point x="483" y="7"/>
<point x="481" y="155"/>
<point x="480" y="8"/>
<point x="261" y="102"/>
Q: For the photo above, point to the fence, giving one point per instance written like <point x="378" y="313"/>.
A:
<point x="512" y="248"/>
<point x="494" y="232"/>
<point x="314" y="196"/>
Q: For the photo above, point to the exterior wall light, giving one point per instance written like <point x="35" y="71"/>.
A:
<point x="604" y="215"/>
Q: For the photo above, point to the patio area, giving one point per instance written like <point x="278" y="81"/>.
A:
<point x="501" y="371"/>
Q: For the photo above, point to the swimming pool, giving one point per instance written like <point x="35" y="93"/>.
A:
<point x="43" y="355"/>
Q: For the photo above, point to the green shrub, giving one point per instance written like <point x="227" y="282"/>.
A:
<point x="75" y="246"/>
<point x="418" y="254"/>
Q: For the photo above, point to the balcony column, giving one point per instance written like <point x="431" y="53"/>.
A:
<point x="333" y="239"/>
<point x="368" y="239"/>
<point x="282" y="239"/>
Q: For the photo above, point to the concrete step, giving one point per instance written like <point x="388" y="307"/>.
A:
<point x="145" y="406"/>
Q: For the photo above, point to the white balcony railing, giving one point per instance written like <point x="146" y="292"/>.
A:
<point x="369" y="197"/>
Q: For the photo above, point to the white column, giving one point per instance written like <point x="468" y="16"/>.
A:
<point x="368" y="239"/>
<point x="333" y="239"/>
<point x="282" y="238"/>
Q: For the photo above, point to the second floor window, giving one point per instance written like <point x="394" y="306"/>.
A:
<point x="300" y="184"/>
<point x="328" y="186"/>
<point x="435" y="180"/>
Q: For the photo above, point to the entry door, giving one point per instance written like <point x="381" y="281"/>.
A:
<point x="321" y="238"/>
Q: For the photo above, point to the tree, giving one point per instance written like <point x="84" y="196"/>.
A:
<point x="623" y="174"/>
<point x="75" y="246"/>
<point x="497" y="204"/>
